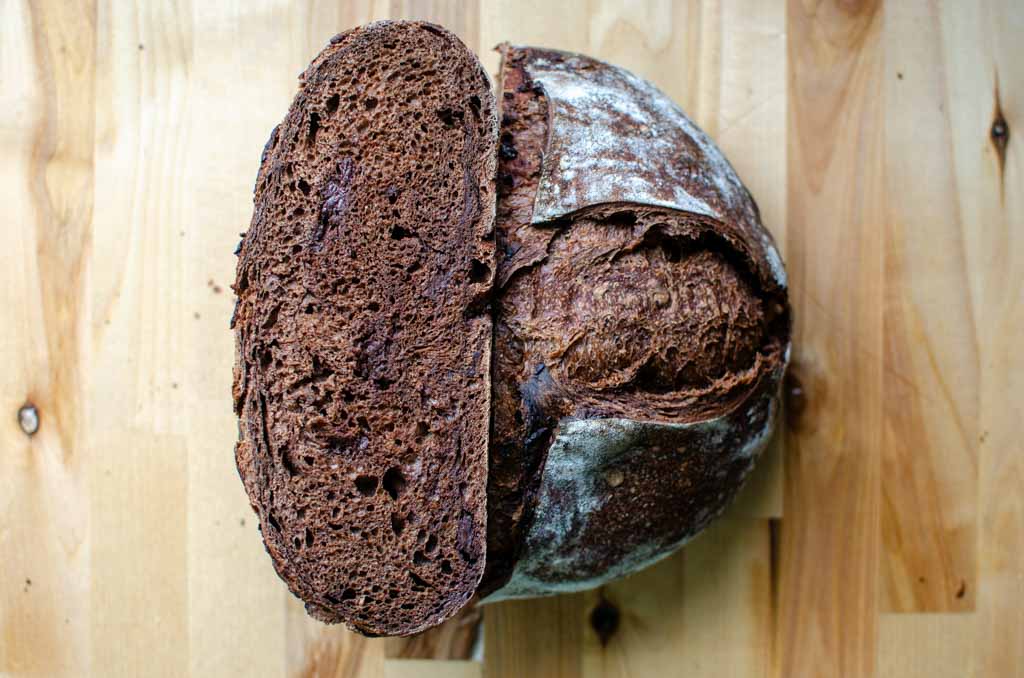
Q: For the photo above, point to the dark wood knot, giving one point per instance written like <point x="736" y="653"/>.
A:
<point x="604" y="619"/>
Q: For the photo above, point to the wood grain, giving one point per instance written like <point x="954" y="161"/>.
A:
<point x="46" y="178"/>
<point x="540" y="637"/>
<point x="830" y="532"/>
<point x="704" y="612"/>
<point x="883" y="535"/>
<point x="983" y="50"/>
<point x="137" y="470"/>
<point x="925" y="646"/>
<point x="930" y="471"/>
<point x="420" y="668"/>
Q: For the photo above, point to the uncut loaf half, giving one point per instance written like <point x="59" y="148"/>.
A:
<point x="493" y="348"/>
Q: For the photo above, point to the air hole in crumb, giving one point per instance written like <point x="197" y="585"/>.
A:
<point x="370" y="103"/>
<point x="332" y="103"/>
<point x="397" y="233"/>
<point x="348" y="594"/>
<point x="309" y="537"/>
<point x="446" y="566"/>
<point x="447" y="116"/>
<point x="366" y="485"/>
<point x="397" y="524"/>
<point x="273" y="522"/>
<point x="339" y="445"/>
<point x="417" y="580"/>
<point x="394" y="482"/>
<point x="314" y="127"/>
<point x="286" y="461"/>
<point x="419" y="559"/>
<point x="431" y="544"/>
<point x="373" y="307"/>
<point x="303" y="186"/>
<point x="479" y="271"/>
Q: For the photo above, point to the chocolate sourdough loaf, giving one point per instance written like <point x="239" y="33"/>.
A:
<point x="362" y="380"/>
<point x="436" y="401"/>
<point x="641" y="328"/>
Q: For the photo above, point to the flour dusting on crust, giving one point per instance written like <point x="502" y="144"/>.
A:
<point x="601" y="470"/>
<point x="615" y="137"/>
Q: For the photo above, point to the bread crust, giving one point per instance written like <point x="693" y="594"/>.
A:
<point x="641" y="332"/>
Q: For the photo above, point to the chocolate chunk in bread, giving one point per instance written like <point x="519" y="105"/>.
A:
<point x="641" y="328"/>
<point x="362" y="330"/>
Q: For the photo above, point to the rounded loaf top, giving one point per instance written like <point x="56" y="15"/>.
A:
<point x="641" y="330"/>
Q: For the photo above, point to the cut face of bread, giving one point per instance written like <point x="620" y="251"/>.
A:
<point x="362" y="377"/>
<point x="641" y="328"/>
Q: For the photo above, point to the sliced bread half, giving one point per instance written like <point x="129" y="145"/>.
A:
<point x="363" y="340"/>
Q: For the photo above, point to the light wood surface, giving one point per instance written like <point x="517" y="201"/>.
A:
<point x="883" y="535"/>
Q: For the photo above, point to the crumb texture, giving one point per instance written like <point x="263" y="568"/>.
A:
<point x="362" y="377"/>
<point x="646" y="310"/>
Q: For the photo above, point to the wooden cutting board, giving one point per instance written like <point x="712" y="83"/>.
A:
<point x="882" y="536"/>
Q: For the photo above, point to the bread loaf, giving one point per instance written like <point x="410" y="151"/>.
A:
<point x="636" y="306"/>
<point x="641" y="328"/>
<point x="362" y="378"/>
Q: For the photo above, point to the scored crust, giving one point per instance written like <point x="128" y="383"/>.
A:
<point x="362" y="377"/>
<point x="641" y="328"/>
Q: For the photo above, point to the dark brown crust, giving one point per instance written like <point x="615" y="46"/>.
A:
<point x="621" y="310"/>
<point x="362" y="375"/>
<point x="514" y="468"/>
<point x="639" y="148"/>
<point x="629" y="491"/>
